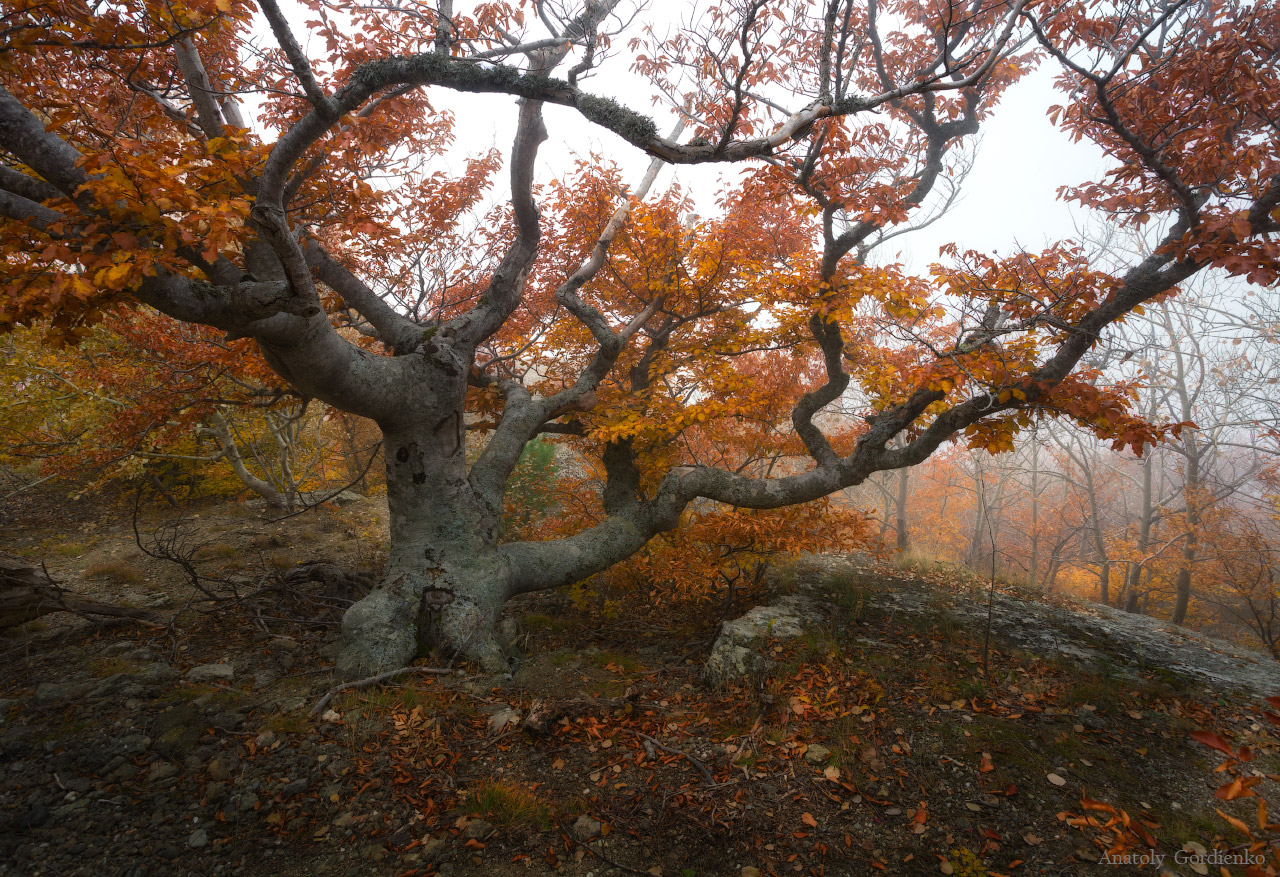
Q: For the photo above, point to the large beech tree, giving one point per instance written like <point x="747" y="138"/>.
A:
<point x="194" y="157"/>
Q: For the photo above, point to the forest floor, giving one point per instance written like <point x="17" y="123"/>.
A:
<point x="892" y="737"/>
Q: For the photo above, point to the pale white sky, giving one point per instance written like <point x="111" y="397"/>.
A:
<point x="1009" y="200"/>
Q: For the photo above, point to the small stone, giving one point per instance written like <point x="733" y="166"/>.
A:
<point x="331" y="716"/>
<point x="432" y="849"/>
<point x="750" y="871"/>
<point x="227" y="721"/>
<point x="54" y="693"/>
<point x="477" y="829"/>
<point x="215" y="793"/>
<point x="266" y="738"/>
<point x="297" y="787"/>
<point x="156" y="674"/>
<point x="587" y="828"/>
<point x="162" y="770"/>
<point x="219" y="770"/>
<point x="206" y="673"/>
<point x="344" y="820"/>
<point x="178" y="729"/>
<point x="199" y="839"/>
<point x="816" y="754"/>
<point x="37" y="816"/>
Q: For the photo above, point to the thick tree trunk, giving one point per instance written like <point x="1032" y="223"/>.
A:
<point x="445" y="581"/>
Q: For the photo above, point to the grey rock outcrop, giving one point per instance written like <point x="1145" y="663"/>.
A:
<point x="736" y="653"/>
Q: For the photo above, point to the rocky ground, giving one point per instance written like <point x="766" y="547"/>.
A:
<point x="875" y="741"/>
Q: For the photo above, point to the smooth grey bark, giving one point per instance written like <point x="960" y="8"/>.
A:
<point x="1191" y="476"/>
<point x="445" y="580"/>
<point x="221" y="432"/>
<point x="1132" y="585"/>
<point x="1095" y="530"/>
<point x="1035" y="510"/>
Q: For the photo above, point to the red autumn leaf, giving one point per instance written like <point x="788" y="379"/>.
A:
<point x="1212" y="740"/>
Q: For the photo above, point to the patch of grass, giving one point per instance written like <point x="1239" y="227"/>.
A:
<point x="217" y="551"/>
<point x="191" y="693"/>
<point x="540" y="621"/>
<point x="917" y="561"/>
<point x="287" y="723"/>
<point x="388" y="697"/>
<point x="263" y="541"/>
<point x="119" y="571"/>
<point x="71" y="549"/>
<point x="847" y="591"/>
<point x="1100" y="691"/>
<point x="1166" y="683"/>
<point x="786" y="580"/>
<point x="944" y="625"/>
<point x="607" y="687"/>
<point x="280" y="561"/>
<point x="818" y="643"/>
<point x="1179" y="826"/>
<point x="505" y="803"/>
<point x="102" y="667"/>
<point x="626" y="662"/>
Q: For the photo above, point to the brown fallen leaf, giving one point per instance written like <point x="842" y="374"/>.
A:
<point x="1056" y="780"/>
<point x="807" y="819"/>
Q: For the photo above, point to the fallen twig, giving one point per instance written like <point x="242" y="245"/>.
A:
<point x="373" y="680"/>
<point x="700" y="765"/>
<point x="568" y="833"/>
<point x="544" y="715"/>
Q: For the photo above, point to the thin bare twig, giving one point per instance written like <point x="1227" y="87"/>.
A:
<point x="700" y="765"/>
<point x="373" y="680"/>
<point x="599" y="855"/>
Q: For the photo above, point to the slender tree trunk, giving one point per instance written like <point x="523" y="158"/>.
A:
<point x="1190" y="545"/>
<point x="1191" y="474"/>
<point x="974" y="557"/>
<point x="1133" y="580"/>
<point x="1095" y="525"/>
<point x="1035" y="510"/>
<point x="904" y="540"/>
<point x="222" y="432"/>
